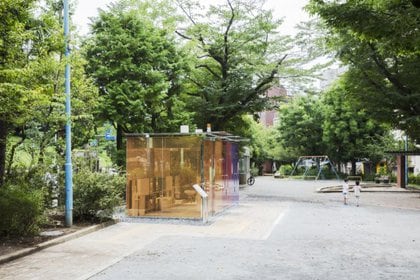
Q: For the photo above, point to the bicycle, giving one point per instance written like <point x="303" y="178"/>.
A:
<point x="250" y="181"/>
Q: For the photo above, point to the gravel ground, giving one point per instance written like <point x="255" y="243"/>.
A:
<point x="311" y="236"/>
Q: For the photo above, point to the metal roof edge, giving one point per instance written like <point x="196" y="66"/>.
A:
<point x="209" y="135"/>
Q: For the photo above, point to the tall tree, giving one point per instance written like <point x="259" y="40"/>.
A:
<point x="41" y="80"/>
<point x="14" y="98"/>
<point x="239" y="55"/>
<point x="379" y="41"/>
<point x="300" y="127"/>
<point x="138" y="70"/>
<point x="349" y="133"/>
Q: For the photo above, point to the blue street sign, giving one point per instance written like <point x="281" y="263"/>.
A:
<point x="109" y="137"/>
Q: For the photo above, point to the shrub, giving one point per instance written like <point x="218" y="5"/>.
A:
<point x="369" y="177"/>
<point x="286" y="169"/>
<point x="255" y="171"/>
<point x="413" y="179"/>
<point x="21" y="211"/>
<point x="34" y="179"/>
<point x="95" y="195"/>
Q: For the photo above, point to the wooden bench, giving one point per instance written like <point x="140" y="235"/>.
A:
<point x="382" y="179"/>
<point x="354" y="178"/>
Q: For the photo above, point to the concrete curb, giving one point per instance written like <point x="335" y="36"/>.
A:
<point x="27" y="251"/>
<point x="332" y="189"/>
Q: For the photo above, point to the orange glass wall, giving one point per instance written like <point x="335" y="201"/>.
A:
<point x="161" y="171"/>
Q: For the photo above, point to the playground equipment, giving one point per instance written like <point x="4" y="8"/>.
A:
<point x="311" y="161"/>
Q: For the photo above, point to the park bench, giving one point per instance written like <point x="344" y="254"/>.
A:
<point x="382" y="179"/>
<point x="354" y="178"/>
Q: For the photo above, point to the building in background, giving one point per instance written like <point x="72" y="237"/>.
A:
<point x="270" y="118"/>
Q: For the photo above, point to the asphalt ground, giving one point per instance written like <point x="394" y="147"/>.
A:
<point x="281" y="229"/>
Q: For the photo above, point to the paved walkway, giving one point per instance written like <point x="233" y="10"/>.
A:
<point x="83" y="257"/>
<point x="282" y="229"/>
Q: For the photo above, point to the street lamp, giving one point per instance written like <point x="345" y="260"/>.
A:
<point x="68" y="165"/>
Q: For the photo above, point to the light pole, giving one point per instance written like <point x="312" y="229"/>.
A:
<point x="68" y="164"/>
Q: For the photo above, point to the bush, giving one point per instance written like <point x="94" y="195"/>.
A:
<point x="255" y="171"/>
<point x="413" y="179"/>
<point x="95" y="195"/>
<point x="286" y="169"/>
<point x="34" y="179"/>
<point x="21" y="211"/>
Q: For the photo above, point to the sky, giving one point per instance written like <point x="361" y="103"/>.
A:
<point x="291" y="10"/>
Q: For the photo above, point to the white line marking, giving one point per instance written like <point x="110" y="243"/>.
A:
<point x="276" y="222"/>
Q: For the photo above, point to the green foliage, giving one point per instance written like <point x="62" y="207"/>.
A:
<point x="285" y="169"/>
<point x="31" y="86"/>
<point x="262" y="141"/>
<point x="414" y="179"/>
<point x="238" y="56"/>
<point x="21" y="210"/>
<point x="332" y="124"/>
<point x="379" y="41"/>
<point x="348" y="130"/>
<point x="383" y="170"/>
<point x="41" y="178"/>
<point x="300" y="127"/>
<point x="139" y="71"/>
<point x="14" y="97"/>
<point x="96" y="195"/>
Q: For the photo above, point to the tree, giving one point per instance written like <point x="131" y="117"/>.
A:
<point x="138" y="70"/>
<point x="239" y="55"/>
<point x="349" y="133"/>
<point x="380" y="42"/>
<point x="14" y="97"/>
<point x="300" y="127"/>
<point x="39" y="124"/>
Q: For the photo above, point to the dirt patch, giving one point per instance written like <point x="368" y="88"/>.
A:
<point x="54" y="229"/>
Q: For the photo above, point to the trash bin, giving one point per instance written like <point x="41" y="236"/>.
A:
<point x="242" y="178"/>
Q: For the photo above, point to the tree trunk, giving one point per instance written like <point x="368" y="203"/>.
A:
<point x="120" y="151"/>
<point x="12" y="154"/>
<point x="119" y="137"/>
<point x="353" y="167"/>
<point x="3" y="143"/>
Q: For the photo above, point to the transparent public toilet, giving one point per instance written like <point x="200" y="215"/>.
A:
<point x="181" y="175"/>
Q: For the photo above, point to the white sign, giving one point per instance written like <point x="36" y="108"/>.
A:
<point x="200" y="191"/>
<point x="185" y="129"/>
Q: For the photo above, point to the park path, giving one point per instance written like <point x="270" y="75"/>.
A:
<point x="281" y="229"/>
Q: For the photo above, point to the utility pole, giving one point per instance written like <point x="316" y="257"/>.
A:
<point x="68" y="164"/>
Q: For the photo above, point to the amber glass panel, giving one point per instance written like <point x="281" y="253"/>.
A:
<point x="160" y="174"/>
<point x="138" y="167"/>
<point x="217" y="184"/>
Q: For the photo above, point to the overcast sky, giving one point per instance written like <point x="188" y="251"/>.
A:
<point x="291" y="10"/>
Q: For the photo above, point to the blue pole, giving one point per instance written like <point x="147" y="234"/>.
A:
<point x="68" y="164"/>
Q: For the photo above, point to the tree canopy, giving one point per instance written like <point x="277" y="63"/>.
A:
<point x="14" y="97"/>
<point x="238" y="57"/>
<point x="331" y="124"/>
<point x="300" y="127"/>
<point x="349" y="133"/>
<point x="31" y="88"/>
<point x="138" y="70"/>
<point x="379" y="42"/>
